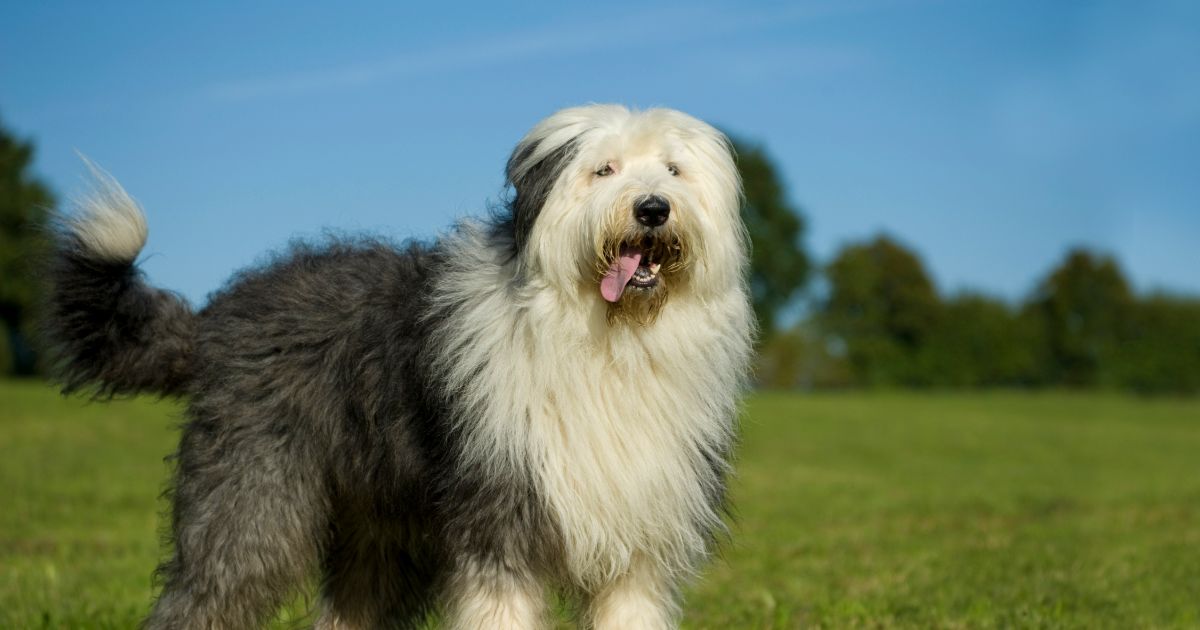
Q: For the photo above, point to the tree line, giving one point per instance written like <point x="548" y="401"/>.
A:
<point x="879" y="320"/>
<point x="882" y="322"/>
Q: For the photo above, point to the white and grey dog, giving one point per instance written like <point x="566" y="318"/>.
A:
<point x="541" y="401"/>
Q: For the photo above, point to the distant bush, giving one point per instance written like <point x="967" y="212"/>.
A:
<point x="6" y="358"/>
<point x="802" y="358"/>
<point x="981" y="341"/>
<point x="883" y="323"/>
<point x="1161" y="348"/>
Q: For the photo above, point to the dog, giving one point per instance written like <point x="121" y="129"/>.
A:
<point x="541" y="400"/>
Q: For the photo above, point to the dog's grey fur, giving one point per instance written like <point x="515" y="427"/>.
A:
<point x="321" y="433"/>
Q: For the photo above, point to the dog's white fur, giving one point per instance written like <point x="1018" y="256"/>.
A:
<point x="481" y="597"/>
<point x="107" y="220"/>
<point x="610" y="420"/>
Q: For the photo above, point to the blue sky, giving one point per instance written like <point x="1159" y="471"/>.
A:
<point x="989" y="136"/>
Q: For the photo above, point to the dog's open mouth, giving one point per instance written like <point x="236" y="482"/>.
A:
<point x="636" y="266"/>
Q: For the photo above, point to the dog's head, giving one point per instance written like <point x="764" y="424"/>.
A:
<point x="627" y="207"/>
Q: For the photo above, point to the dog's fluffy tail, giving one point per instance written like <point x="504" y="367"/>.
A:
<point x="108" y="331"/>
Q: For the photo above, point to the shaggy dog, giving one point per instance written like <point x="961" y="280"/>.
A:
<point x="543" y="401"/>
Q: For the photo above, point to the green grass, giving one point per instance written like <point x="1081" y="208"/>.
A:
<point x="854" y="510"/>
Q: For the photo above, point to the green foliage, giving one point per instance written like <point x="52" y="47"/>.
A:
<point x="779" y="265"/>
<point x="883" y="307"/>
<point x="6" y="356"/>
<point x="1161" y="351"/>
<point x="1086" y="307"/>
<point x="981" y="341"/>
<point x="1083" y="327"/>
<point x="880" y="510"/>
<point x="24" y="206"/>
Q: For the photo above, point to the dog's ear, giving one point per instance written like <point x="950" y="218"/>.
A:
<point x="532" y="177"/>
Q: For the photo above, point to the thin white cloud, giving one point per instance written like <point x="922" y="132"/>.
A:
<point x="459" y="56"/>
<point x="677" y="25"/>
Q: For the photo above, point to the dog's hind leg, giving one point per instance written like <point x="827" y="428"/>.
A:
<point x="250" y="516"/>
<point x="371" y="581"/>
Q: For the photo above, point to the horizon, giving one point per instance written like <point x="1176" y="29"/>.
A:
<point x="989" y="139"/>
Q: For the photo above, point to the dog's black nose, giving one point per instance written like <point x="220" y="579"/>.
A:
<point x="652" y="211"/>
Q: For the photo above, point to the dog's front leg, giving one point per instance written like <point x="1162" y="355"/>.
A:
<point x="490" y="595"/>
<point x="642" y="598"/>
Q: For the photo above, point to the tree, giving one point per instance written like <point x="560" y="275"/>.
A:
<point x="1086" y="306"/>
<point x="882" y="306"/>
<point x="24" y="206"/>
<point x="779" y="266"/>
<point x="979" y="342"/>
<point x="1162" y="351"/>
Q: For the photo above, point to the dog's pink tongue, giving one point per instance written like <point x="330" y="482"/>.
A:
<point x="613" y="283"/>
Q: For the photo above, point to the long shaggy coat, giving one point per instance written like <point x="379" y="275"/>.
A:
<point x="542" y="400"/>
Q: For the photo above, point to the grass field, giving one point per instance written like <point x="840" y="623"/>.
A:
<point x="854" y="510"/>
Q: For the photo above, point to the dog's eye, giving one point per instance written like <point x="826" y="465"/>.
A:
<point x="605" y="171"/>
<point x="673" y="170"/>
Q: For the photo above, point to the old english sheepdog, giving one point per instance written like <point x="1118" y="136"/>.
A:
<point x="540" y="402"/>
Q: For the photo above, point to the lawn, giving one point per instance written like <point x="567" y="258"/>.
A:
<point x="853" y="510"/>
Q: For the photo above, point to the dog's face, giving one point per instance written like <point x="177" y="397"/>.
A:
<point x="627" y="207"/>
